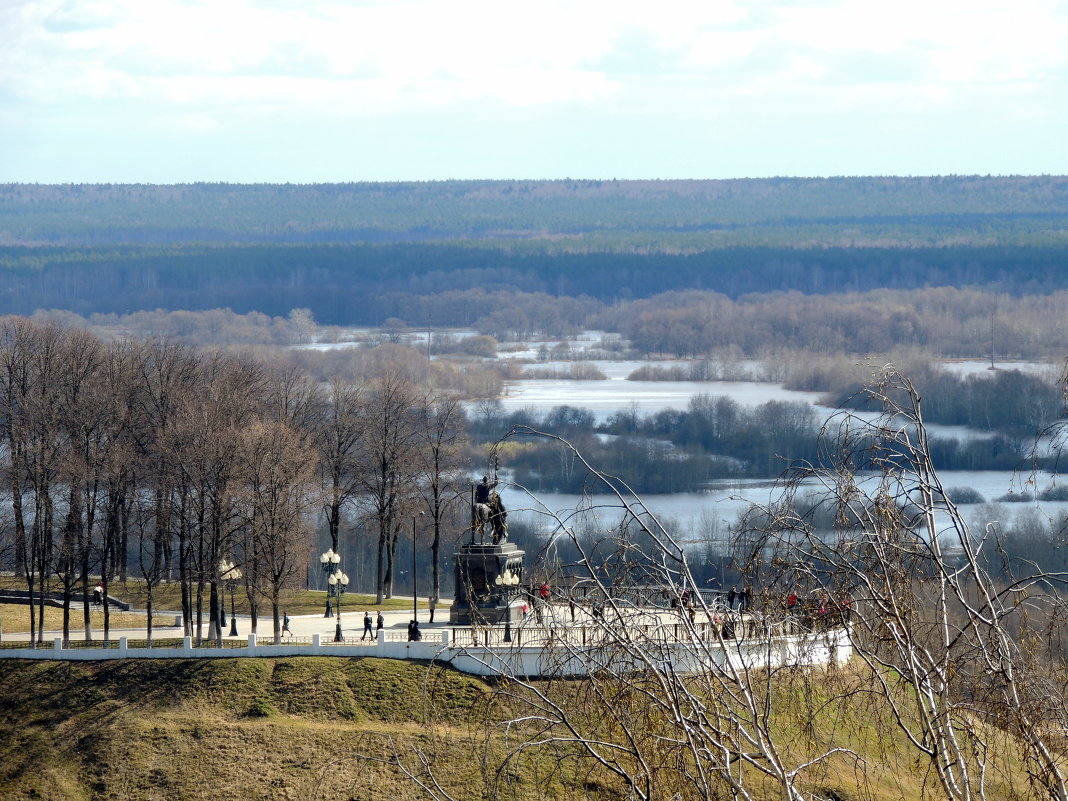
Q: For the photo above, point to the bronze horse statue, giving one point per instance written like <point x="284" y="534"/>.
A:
<point x="494" y="514"/>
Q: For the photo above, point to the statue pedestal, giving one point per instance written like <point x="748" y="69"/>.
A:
<point x="485" y="587"/>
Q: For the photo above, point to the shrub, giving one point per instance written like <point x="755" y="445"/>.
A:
<point x="261" y="708"/>
<point x="1054" y="493"/>
<point x="962" y="495"/>
<point x="1016" y="497"/>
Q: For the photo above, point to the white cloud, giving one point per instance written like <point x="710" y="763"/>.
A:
<point x="207" y="67"/>
<point x="472" y="48"/>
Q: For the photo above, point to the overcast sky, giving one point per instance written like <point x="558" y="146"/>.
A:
<point x="169" y="91"/>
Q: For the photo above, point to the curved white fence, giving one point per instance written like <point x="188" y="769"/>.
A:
<point x="533" y="653"/>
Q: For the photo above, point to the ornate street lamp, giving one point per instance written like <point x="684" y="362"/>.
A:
<point x="337" y="582"/>
<point x="230" y="573"/>
<point x="415" y="586"/>
<point x="507" y="580"/>
<point x="330" y="561"/>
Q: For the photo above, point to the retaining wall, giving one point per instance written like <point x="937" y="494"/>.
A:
<point x="549" y="658"/>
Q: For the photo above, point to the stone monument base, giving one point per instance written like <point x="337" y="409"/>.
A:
<point x="488" y="581"/>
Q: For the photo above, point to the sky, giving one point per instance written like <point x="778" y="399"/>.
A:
<point x="305" y="91"/>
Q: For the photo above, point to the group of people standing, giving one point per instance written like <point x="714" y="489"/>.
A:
<point x="371" y="627"/>
<point x="368" y="633"/>
<point x="743" y="598"/>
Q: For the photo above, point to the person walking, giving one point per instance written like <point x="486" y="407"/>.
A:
<point x="381" y="623"/>
<point x="285" y="625"/>
<point x="432" y="602"/>
<point x="368" y="631"/>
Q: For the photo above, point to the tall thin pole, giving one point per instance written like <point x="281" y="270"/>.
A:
<point x="415" y="588"/>
<point x="233" y="613"/>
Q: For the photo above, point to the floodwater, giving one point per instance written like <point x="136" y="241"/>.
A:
<point x="982" y="367"/>
<point x="707" y="517"/>
<point x="605" y="398"/>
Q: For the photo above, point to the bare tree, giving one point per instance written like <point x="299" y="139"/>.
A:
<point x="33" y="380"/>
<point x="338" y="436"/>
<point x="150" y="552"/>
<point x="83" y="414"/>
<point x="388" y="467"/>
<point x="274" y="503"/>
<point x="676" y="697"/>
<point x="443" y="485"/>
<point x="167" y="373"/>
<point x="205" y="437"/>
<point x="16" y="344"/>
<point x="925" y="614"/>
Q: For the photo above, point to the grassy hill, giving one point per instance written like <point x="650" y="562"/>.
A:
<point x="331" y="728"/>
<point x="240" y="729"/>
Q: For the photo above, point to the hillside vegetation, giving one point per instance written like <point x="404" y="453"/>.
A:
<point x="228" y="728"/>
<point x="329" y="728"/>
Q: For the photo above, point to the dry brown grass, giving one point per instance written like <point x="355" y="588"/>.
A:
<point x="332" y="729"/>
<point x="170" y="730"/>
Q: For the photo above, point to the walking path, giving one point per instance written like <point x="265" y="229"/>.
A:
<point x="553" y="640"/>
<point x="300" y="626"/>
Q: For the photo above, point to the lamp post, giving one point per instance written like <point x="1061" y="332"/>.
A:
<point x="337" y="582"/>
<point x="329" y="561"/>
<point x="507" y="581"/>
<point x="415" y="587"/>
<point x="230" y="573"/>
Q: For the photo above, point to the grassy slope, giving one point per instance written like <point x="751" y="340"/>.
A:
<point x="292" y="728"/>
<point x="242" y="729"/>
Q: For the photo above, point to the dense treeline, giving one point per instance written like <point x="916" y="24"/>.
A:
<point x="366" y="284"/>
<point x="945" y="322"/>
<point x="571" y="215"/>
<point x="678" y="267"/>
<point x="1009" y="402"/>
<point x="158" y="460"/>
<point x="942" y="322"/>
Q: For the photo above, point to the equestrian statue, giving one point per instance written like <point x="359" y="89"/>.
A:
<point x="488" y="508"/>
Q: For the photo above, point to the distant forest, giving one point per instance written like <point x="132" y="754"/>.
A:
<point x="561" y="216"/>
<point x="662" y="262"/>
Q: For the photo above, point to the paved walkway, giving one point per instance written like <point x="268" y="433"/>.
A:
<point x="303" y="626"/>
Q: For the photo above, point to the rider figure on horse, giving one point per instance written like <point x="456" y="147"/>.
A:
<point x="486" y="497"/>
<point x="483" y="489"/>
